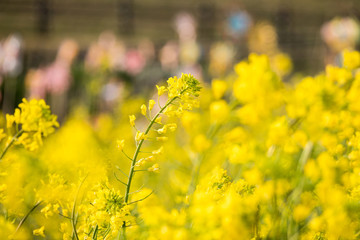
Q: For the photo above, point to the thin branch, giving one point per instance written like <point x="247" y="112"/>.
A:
<point x="138" y="147"/>
<point x="123" y="231"/>
<point x="149" y="119"/>
<point x="142" y="198"/>
<point x="73" y="220"/>
<point x="65" y="216"/>
<point x="139" y="144"/>
<point x="176" y="104"/>
<point x="118" y="168"/>
<point x="94" y="236"/>
<point x="11" y="143"/>
<point x="126" y="155"/>
<point x="119" y="179"/>
<point x="107" y="231"/>
<point x="26" y="216"/>
<point x="137" y="190"/>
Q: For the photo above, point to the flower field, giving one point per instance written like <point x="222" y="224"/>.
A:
<point x="249" y="156"/>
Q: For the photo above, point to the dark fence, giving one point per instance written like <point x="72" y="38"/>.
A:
<point x="43" y="23"/>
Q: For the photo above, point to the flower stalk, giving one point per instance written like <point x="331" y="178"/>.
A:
<point x="13" y="139"/>
<point x="137" y="151"/>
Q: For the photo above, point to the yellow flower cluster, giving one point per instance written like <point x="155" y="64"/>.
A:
<point x="292" y="151"/>
<point x="105" y="213"/>
<point x="33" y="121"/>
<point x="259" y="159"/>
<point x="182" y="95"/>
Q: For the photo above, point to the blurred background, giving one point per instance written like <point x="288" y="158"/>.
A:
<point x="95" y="53"/>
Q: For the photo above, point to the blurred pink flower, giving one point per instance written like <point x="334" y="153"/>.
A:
<point x="135" y="62"/>
<point x="57" y="78"/>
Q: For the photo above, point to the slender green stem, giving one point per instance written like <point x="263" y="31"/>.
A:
<point x="257" y="224"/>
<point x="73" y="213"/>
<point x="137" y="190"/>
<point x="94" y="236"/>
<point x="64" y="216"/>
<point x="132" y="168"/>
<point x="119" y="179"/>
<point x="26" y="216"/>
<point x="142" y="198"/>
<point x="18" y="134"/>
<point x="126" y="155"/>
<point x="293" y="199"/>
<point x="123" y="233"/>
<point x="137" y="151"/>
<point x="118" y="168"/>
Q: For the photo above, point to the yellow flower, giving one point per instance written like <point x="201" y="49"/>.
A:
<point x="154" y="168"/>
<point x="143" y="109"/>
<point x="240" y="153"/>
<point x="36" y="122"/>
<point x="183" y="87"/>
<point x="162" y="130"/>
<point x="171" y="126"/>
<point x="301" y="212"/>
<point x="161" y="139"/>
<point x="219" y="111"/>
<point x="140" y="136"/>
<point x="339" y="75"/>
<point x="39" y="232"/>
<point x="351" y="59"/>
<point x="158" y="120"/>
<point x="47" y="210"/>
<point x="132" y="119"/>
<point x="120" y="144"/>
<point x="158" y="151"/>
<point x="218" y="88"/>
<point x="151" y="104"/>
<point x="201" y="143"/>
<point x="36" y="116"/>
<point x="142" y="161"/>
<point x="282" y="64"/>
<point x="161" y="90"/>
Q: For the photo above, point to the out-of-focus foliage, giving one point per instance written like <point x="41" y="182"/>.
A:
<point x="259" y="159"/>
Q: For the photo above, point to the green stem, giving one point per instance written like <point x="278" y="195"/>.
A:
<point x="257" y="223"/>
<point x="132" y="168"/>
<point x="11" y="143"/>
<point x="123" y="233"/>
<point x="26" y="216"/>
<point x="73" y="213"/>
<point x="94" y="236"/>
<point x="137" y="151"/>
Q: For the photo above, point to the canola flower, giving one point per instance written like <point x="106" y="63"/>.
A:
<point x="110" y="211"/>
<point x="32" y="121"/>
<point x="182" y="91"/>
<point x="291" y="149"/>
<point x="259" y="159"/>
